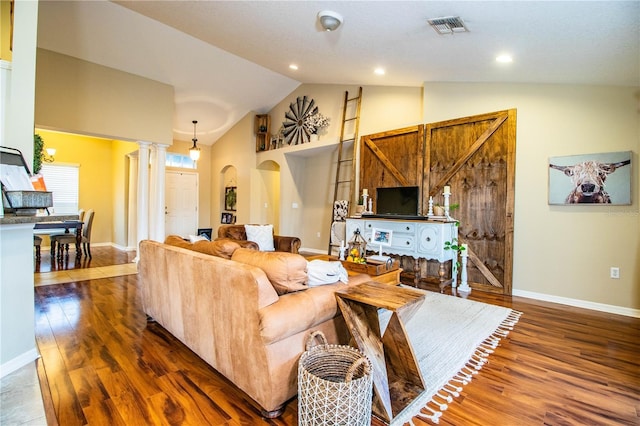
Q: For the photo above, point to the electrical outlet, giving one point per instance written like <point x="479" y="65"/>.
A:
<point x="614" y="272"/>
<point x="318" y="235"/>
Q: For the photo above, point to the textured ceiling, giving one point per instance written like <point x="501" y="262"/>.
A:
<point x="226" y="58"/>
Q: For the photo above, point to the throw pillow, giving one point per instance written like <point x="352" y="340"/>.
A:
<point x="287" y="272"/>
<point x="262" y="235"/>
<point x="323" y="272"/>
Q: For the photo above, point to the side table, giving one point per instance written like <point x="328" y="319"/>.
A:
<point x="397" y="379"/>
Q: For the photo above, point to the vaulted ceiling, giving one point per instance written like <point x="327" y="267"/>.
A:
<point x="226" y="58"/>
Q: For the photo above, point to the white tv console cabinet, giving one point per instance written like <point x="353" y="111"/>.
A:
<point x="416" y="238"/>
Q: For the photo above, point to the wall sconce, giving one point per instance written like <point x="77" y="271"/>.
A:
<point x="194" y="151"/>
<point x="48" y="157"/>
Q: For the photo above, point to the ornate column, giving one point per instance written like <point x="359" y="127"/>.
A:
<point x="143" y="192"/>
<point x="132" y="211"/>
<point x="157" y="205"/>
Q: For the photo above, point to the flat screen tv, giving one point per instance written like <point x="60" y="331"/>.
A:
<point x="401" y="200"/>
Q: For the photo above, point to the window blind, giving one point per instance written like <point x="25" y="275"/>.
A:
<point x="63" y="182"/>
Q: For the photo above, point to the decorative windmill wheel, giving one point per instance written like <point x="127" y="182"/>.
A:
<point x="294" y="129"/>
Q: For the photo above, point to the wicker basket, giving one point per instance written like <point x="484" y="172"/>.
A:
<point x="334" y="385"/>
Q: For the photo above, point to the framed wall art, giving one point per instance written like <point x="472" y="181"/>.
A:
<point x="600" y="179"/>
<point x="230" y="197"/>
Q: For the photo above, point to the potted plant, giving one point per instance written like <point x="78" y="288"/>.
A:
<point x="458" y="248"/>
<point x="38" y="149"/>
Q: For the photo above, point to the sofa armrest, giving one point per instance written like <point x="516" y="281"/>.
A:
<point x="288" y="244"/>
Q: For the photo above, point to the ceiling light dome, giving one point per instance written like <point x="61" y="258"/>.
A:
<point x="329" y="20"/>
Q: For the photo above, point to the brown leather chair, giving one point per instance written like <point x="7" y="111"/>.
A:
<point x="237" y="233"/>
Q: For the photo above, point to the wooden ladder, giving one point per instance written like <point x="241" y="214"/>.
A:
<point x="344" y="165"/>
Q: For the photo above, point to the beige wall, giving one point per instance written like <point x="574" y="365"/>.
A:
<point x="81" y="97"/>
<point x="235" y="149"/>
<point x="308" y="172"/>
<point x="563" y="251"/>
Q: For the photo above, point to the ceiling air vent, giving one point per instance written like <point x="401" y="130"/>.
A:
<point x="448" y="25"/>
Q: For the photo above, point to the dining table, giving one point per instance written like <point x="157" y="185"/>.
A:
<point x="67" y="225"/>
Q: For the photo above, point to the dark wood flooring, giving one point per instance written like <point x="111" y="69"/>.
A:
<point x="105" y="365"/>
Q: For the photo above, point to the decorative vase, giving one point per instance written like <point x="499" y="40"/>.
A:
<point x="438" y="210"/>
<point x="313" y="137"/>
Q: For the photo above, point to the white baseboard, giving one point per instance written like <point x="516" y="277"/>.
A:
<point x="19" y="362"/>
<point x="121" y="248"/>
<point x="611" y="309"/>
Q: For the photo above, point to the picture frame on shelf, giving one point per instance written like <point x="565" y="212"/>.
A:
<point x="381" y="237"/>
<point x="226" y="218"/>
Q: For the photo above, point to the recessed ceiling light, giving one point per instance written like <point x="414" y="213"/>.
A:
<point x="293" y="67"/>
<point x="504" y="59"/>
<point x="379" y="71"/>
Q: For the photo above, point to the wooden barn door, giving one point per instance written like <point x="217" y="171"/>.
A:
<point x="392" y="158"/>
<point x="476" y="157"/>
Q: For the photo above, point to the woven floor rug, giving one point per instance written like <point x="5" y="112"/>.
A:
<point x="452" y="339"/>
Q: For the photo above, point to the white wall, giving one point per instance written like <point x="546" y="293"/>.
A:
<point x="17" y="335"/>
<point x="562" y="251"/>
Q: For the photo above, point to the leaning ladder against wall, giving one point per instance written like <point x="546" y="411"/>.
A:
<point x="345" y="167"/>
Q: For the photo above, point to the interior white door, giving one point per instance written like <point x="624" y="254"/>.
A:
<point x="181" y="198"/>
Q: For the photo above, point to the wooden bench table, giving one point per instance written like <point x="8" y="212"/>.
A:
<point x="397" y="379"/>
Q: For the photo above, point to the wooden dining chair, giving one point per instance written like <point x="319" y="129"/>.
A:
<point x="58" y="234"/>
<point x="37" y="242"/>
<point x="63" y="240"/>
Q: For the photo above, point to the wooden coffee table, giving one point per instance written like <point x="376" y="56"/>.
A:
<point x="388" y="276"/>
<point x="397" y="379"/>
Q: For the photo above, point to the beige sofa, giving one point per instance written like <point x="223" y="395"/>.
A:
<point x="248" y="316"/>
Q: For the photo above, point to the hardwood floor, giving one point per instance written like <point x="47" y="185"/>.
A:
<point x="106" y="365"/>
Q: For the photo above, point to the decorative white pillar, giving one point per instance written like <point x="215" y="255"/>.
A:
<point x="158" y="204"/>
<point x="464" y="254"/>
<point x="143" y="192"/>
<point x="132" y="211"/>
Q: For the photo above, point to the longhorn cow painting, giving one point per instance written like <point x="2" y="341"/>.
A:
<point x="590" y="179"/>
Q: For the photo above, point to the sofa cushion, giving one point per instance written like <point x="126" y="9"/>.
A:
<point x="261" y="234"/>
<point x="175" y="240"/>
<point x="286" y="271"/>
<point x="302" y="310"/>
<point x="222" y="247"/>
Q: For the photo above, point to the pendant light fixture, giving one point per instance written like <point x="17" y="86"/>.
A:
<point x="194" y="151"/>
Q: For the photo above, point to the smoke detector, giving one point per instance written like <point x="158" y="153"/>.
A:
<point x="448" y="25"/>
